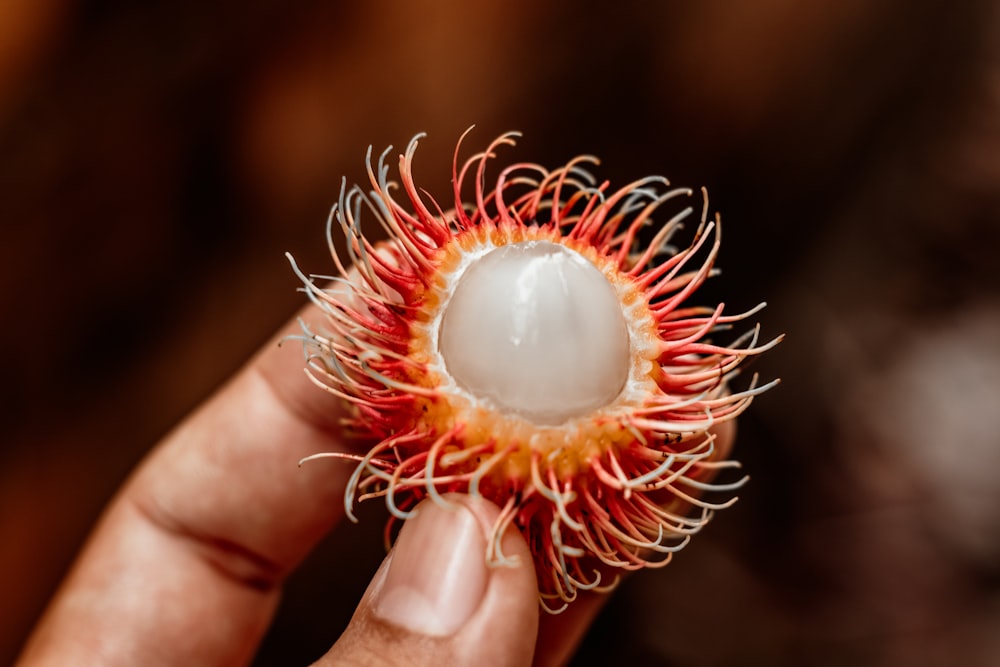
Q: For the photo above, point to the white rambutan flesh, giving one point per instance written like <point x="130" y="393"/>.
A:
<point x="536" y="330"/>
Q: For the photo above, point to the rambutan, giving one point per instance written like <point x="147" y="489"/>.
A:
<point x="534" y="346"/>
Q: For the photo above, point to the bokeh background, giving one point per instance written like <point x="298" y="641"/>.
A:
<point x="158" y="158"/>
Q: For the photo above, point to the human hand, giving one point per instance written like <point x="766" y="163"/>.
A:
<point x="187" y="564"/>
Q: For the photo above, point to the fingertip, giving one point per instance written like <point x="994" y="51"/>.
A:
<point x="506" y="623"/>
<point x="436" y="577"/>
<point x="437" y="599"/>
<point x="725" y="437"/>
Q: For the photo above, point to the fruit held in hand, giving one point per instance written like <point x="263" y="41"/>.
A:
<point x="535" y="345"/>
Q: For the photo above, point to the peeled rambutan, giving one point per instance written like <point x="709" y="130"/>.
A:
<point x="536" y="347"/>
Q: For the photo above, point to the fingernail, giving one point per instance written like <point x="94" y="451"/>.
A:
<point x="437" y="575"/>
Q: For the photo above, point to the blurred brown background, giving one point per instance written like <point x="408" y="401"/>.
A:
<point x="157" y="158"/>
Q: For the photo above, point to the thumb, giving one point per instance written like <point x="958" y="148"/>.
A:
<point x="437" y="601"/>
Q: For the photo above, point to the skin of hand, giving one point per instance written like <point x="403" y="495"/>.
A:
<point x="187" y="563"/>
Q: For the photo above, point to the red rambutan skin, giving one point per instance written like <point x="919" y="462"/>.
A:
<point x="619" y="489"/>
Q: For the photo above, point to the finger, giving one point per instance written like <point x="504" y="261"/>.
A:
<point x="437" y="601"/>
<point x="184" y="567"/>
<point x="429" y="605"/>
<point x="559" y="635"/>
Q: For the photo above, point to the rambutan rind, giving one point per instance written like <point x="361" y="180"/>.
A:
<point x="618" y="488"/>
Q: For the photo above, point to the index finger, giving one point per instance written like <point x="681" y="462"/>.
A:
<point x="186" y="564"/>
